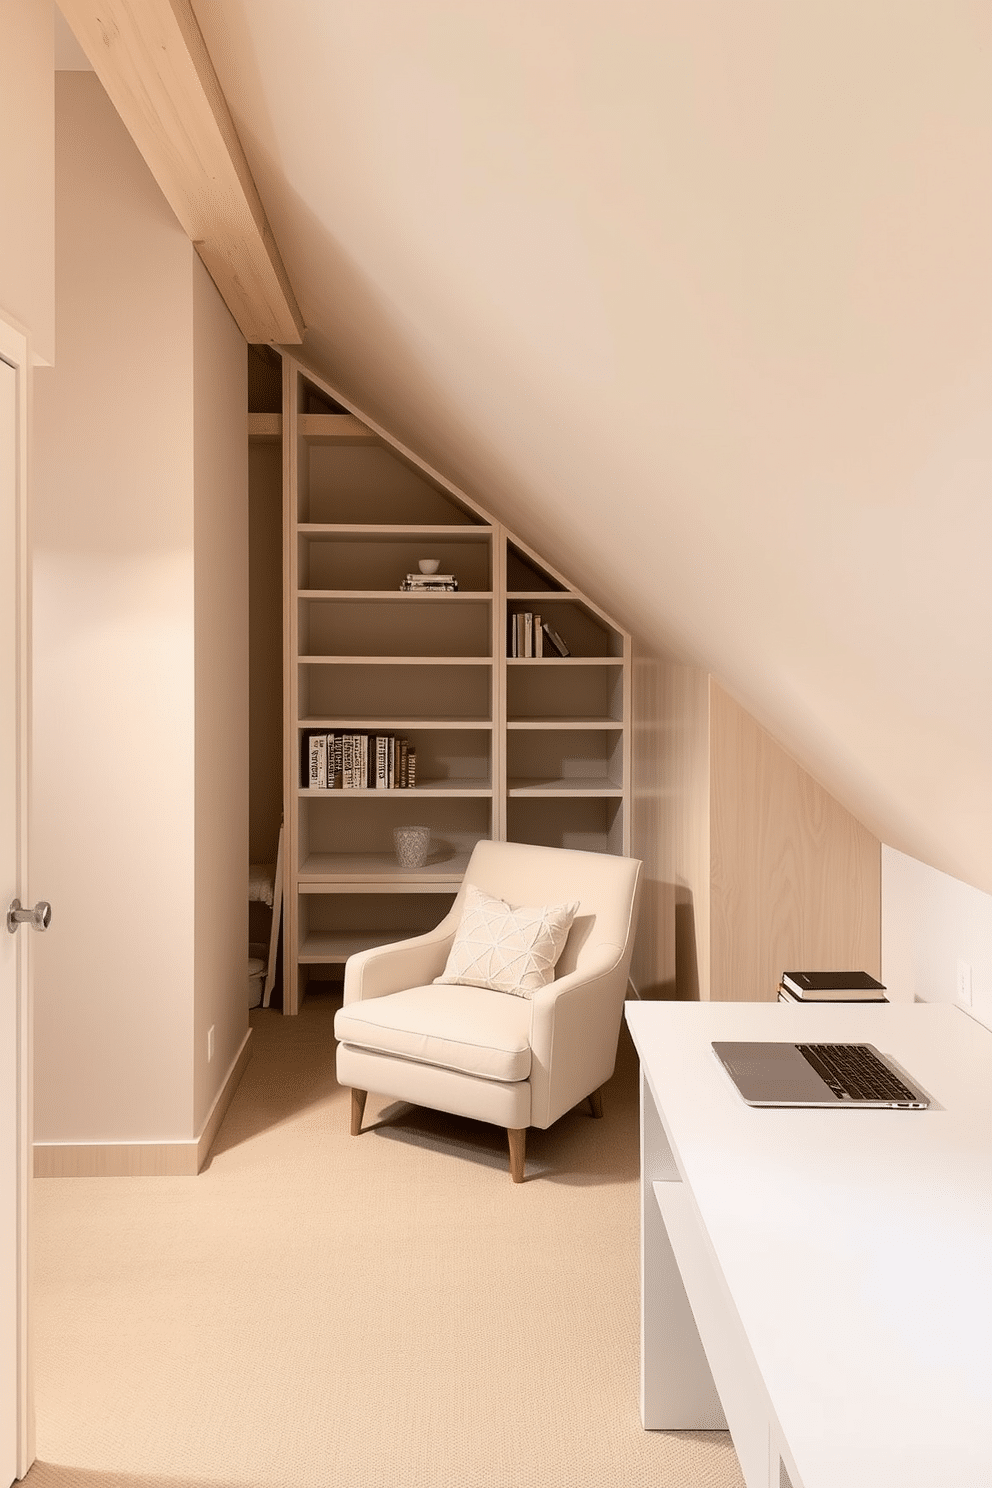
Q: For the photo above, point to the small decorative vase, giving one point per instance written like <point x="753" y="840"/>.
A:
<point x="412" y="846"/>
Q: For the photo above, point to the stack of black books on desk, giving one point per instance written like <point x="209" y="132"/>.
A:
<point x="830" y="986"/>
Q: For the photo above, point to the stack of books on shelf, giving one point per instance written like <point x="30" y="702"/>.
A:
<point x="435" y="583"/>
<point x="358" y="761"/>
<point x="830" y="986"/>
<point x="532" y="636"/>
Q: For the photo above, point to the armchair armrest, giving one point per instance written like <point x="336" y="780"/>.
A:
<point x="575" y="1027"/>
<point x="404" y="963"/>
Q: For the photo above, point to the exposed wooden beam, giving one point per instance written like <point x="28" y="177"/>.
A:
<point x="152" y="60"/>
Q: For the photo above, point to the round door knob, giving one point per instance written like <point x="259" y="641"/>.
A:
<point x="38" y="918"/>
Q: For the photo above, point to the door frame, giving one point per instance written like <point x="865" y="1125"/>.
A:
<point x="15" y="350"/>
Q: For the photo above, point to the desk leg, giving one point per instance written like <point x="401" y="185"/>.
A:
<point x="677" y="1389"/>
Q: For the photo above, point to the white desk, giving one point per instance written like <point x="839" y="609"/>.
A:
<point x="837" y="1264"/>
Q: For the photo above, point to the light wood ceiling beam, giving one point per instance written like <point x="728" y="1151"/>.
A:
<point x="152" y="60"/>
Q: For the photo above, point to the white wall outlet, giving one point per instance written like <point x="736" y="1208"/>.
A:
<point x="210" y="1040"/>
<point x="964" y="984"/>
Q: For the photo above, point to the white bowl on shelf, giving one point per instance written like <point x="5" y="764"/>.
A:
<point x="429" y="565"/>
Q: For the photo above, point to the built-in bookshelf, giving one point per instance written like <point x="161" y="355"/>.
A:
<point x="533" y="748"/>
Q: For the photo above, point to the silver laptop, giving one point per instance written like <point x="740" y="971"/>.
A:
<point x="822" y="1075"/>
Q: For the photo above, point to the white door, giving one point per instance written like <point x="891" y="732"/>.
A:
<point x="15" y="1445"/>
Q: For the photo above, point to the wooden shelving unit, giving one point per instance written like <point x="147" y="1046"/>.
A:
<point x="532" y="749"/>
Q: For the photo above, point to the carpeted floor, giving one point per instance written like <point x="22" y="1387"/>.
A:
<point x="388" y="1311"/>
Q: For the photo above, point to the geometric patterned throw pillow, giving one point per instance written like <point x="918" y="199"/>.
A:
<point x="508" y="950"/>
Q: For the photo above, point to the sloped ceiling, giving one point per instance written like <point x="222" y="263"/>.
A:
<point x="697" y="298"/>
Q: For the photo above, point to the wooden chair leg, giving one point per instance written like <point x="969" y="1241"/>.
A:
<point x="358" y="1099"/>
<point x="596" y="1103"/>
<point x="518" y="1145"/>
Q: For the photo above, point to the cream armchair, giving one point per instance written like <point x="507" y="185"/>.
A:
<point x="516" y="1061"/>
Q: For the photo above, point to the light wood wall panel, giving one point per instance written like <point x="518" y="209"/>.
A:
<point x="795" y="880"/>
<point x="670" y="827"/>
<point x="652" y="969"/>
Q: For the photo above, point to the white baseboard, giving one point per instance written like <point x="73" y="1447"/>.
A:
<point x="223" y="1099"/>
<point x="142" y="1159"/>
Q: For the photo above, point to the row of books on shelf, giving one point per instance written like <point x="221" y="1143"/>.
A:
<point x="529" y="635"/>
<point x="358" y="761"/>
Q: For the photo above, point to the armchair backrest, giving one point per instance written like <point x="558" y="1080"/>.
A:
<point x="605" y="886"/>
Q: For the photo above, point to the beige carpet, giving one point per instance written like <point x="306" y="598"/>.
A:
<point x="382" y="1312"/>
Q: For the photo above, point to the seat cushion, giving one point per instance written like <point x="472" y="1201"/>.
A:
<point x="469" y="1029"/>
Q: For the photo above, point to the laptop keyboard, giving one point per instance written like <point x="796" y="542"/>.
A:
<point x="853" y="1072"/>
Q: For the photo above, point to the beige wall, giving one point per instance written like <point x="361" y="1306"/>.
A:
<point x="27" y="189"/>
<point x="936" y="930"/>
<point x="698" y="305"/>
<point x="220" y="509"/>
<point x="135" y="450"/>
<point x="113" y="649"/>
<point x="751" y="867"/>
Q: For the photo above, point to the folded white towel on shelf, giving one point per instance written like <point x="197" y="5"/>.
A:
<point x="261" y="882"/>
